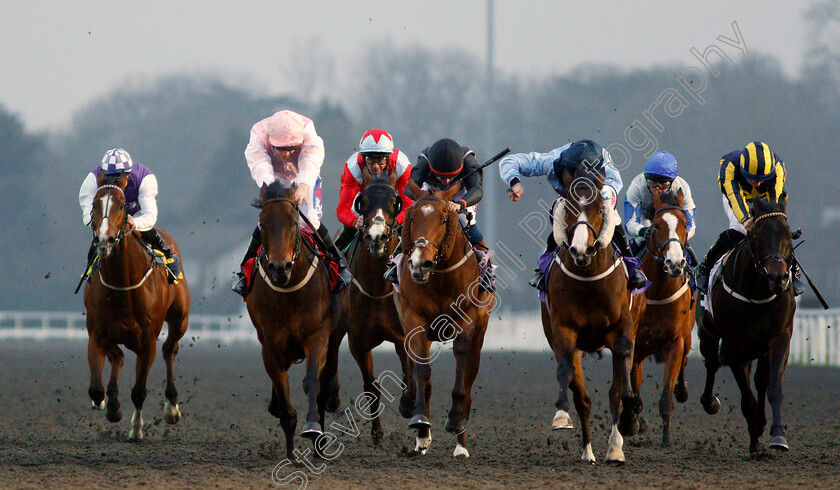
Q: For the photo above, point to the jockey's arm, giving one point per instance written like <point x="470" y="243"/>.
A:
<point x="86" y="193"/>
<point x="472" y="184"/>
<point x="311" y="157"/>
<point x="349" y="189"/>
<point x="257" y="158"/>
<point x="419" y="173"/>
<point x="732" y="190"/>
<point x="633" y="207"/>
<point x="689" y="208"/>
<point x="146" y="218"/>
<point x="401" y="186"/>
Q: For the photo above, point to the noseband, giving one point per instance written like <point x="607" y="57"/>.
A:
<point x="297" y="225"/>
<point x="570" y="233"/>
<point x="421" y="241"/>
<point x="392" y="229"/>
<point x="660" y="249"/>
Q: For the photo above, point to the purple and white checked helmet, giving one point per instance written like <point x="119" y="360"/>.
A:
<point x="116" y="161"/>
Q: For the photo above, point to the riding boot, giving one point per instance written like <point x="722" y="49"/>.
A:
<point x="345" y="237"/>
<point x="240" y="284"/>
<point x="637" y="279"/>
<point x="488" y="281"/>
<point x="153" y="238"/>
<point x="724" y="243"/>
<point x="796" y="272"/>
<point x="344" y="275"/>
<point x="536" y="280"/>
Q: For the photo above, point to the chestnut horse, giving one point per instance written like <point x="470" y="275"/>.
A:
<point x="665" y="328"/>
<point x="752" y="319"/>
<point x="289" y="305"/>
<point x="369" y="315"/>
<point x="591" y="308"/>
<point x="127" y="301"/>
<point x="441" y="300"/>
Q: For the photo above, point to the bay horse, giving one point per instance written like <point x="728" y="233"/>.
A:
<point x="591" y="308"/>
<point x="665" y="328"/>
<point x="751" y="318"/>
<point x="369" y="315"/>
<point x="441" y="300"/>
<point x="290" y="307"/>
<point x="127" y="301"/>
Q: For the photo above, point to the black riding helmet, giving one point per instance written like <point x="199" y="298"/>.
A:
<point x="446" y="158"/>
<point x="580" y="152"/>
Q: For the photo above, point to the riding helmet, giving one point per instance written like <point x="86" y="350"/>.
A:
<point x="446" y="158"/>
<point x="285" y="129"/>
<point x="758" y="162"/>
<point x="661" y="167"/>
<point x="116" y="161"/>
<point x="580" y="152"/>
<point x="376" y="143"/>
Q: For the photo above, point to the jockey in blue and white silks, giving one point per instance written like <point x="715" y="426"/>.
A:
<point x="660" y="176"/>
<point x="552" y="164"/>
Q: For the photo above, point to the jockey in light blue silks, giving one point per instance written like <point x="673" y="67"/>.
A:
<point x="552" y="164"/>
<point x="660" y="176"/>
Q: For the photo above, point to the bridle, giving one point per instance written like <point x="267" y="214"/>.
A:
<point x="297" y="225"/>
<point x="422" y="242"/>
<point x="776" y="257"/>
<point x="392" y="228"/>
<point x="121" y="230"/>
<point x="659" y="249"/>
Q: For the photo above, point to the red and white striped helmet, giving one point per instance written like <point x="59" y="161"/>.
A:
<point x="376" y="141"/>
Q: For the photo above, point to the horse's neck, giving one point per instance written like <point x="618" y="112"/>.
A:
<point x="661" y="281"/>
<point x="123" y="263"/>
<point x="459" y="249"/>
<point x="741" y="271"/>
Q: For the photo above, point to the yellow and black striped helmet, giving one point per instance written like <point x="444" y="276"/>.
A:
<point x="758" y="162"/>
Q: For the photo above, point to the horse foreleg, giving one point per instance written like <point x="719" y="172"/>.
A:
<point x="629" y="403"/>
<point x="564" y="350"/>
<point x="681" y="388"/>
<point x="583" y="405"/>
<point x="456" y="421"/>
<point x="636" y="377"/>
<point x="364" y="359"/>
<point x="177" y="329"/>
<point x="779" y="350"/>
<point x="96" y="360"/>
<point x="145" y="358"/>
<point x="116" y="358"/>
<point x="673" y="368"/>
<point x="418" y="349"/>
<point x="472" y="362"/>
<point x="334" y="388"/>
<point x="749" y="407"/>
<point x="316" y="356"/>
<point x="410" y="391"/>
<point x="710" y="350"/>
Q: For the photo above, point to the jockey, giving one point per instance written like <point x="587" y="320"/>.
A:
<point x="438" y="166"/>
<point x="660" y="176"/>
<point x="286" y="146"/>
<point x="744" y="175"/>
<point x="377" y="153"/>
<point x="140" y="189"/>
<point x="553" y="164"/>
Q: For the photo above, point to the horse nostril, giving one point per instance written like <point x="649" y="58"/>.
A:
<point x="410" y="264"/>
<point x="427" y="264"/>
<point x="590" y="250"/>
<point x="288" y="267"/>
<point x="111" y="240"/>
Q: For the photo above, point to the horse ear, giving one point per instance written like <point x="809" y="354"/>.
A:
<point x="680" y="197"/>
<point x="783" y="201"/>
<point x="415" y="189"/>
<point x="406" y="232"/>
<point x="123" y="180"/>
<point x="367" y="178"/>
<point x="100" y="178"/>
<point x="449" y="193"/>
<point x="657" y="199"/>
<point x="392" y="179"/>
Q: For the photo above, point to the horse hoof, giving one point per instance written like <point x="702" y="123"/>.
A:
<point x="455" y="427"/>
<point x="615" y="457"/>
<point x="643" y="425"/>
<point x="460" y="452"/>
<point x="333" y="403"/>
<point x="377" y="439"/>
<point x="419" y="422"/>
<point x="171" y="413"/>
<point x="101" y="405"/>
<point x="311" y="430"/>
<point x="628" y="428"/>
<point x="114" y="416"/>
<point x="712" y="406"/>
<point x="681" y="392"/>
<point x="406" y="406"/>
<point x="421" y="444"/>
<point x="562" y="420"/>
<point x="135" y="435"/>
<point x="779" y="443"/>
<point x="588" y="455"/>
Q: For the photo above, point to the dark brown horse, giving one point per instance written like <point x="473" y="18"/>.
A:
<point x="751" y="318"/>
<point x="441" y="300"/>
<point x="591" y="308"/>
<point x="289" y="305"/>
<point x="127" y="301"/>
<point x="369" y="315"/>
<point x="665" y="329"/>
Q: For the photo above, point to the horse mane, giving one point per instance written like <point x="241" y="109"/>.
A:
<point x="668" y="198"/>
<point x="280" y="188"/>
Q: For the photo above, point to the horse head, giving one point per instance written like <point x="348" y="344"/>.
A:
<point x="584" y="216"/>
<point x="770" y="242"/>
<point x="280" y="229"/>
<point x="429" y="230"/>
<point x="379" y="205"/>
<point x="669" y="231"/>
<point x="109" y="217"/>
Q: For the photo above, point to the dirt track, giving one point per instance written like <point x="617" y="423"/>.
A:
<point x="50" y="437"/>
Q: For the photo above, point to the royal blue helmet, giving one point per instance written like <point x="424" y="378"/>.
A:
<point x="661" y="166"/>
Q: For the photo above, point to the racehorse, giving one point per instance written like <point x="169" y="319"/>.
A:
<point x="590" y="308"/>
<point x="751" y="318"/>
<point x="290" y="307"/>
<point x="441" y="300"/>
<point x="665" y="328"/>
<point x="127" y="302"/>
<point x="369" y="315"/>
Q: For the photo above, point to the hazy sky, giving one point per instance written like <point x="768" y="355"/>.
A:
<point x="59" y="55"/>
